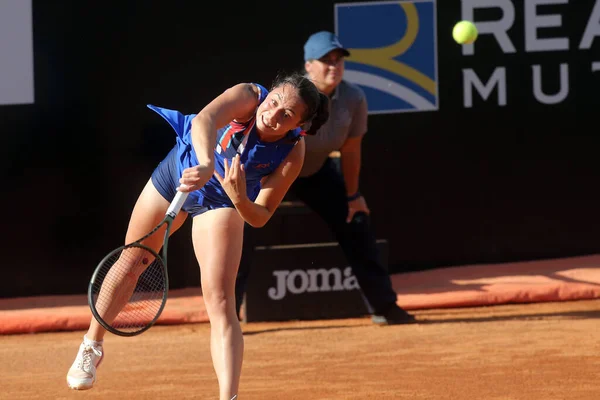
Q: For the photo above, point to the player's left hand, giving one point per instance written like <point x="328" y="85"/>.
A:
<point x="234" y="181"/>
<point x="357" y="205"/>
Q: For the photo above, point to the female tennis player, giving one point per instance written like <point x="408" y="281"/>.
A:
<point x="237" y="158"/>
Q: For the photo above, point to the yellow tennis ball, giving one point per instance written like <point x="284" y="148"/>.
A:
<point x="464" y="32"/>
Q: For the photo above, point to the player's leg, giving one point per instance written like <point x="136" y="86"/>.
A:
<point x="217" y="237"/>
<point x="148" y="211"/>
<point x="244" y="268"/>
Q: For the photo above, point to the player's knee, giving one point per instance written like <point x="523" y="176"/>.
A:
<point x="217" y="302"/>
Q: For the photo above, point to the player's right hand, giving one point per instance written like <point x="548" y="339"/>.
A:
<point x="194" y="178"/>
<point x="233" y="180"/>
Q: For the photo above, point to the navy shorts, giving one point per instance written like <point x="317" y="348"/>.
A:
<point x="166" y="180"/>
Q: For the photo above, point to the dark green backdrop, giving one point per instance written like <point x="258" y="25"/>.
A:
<point x="456" y="186"/>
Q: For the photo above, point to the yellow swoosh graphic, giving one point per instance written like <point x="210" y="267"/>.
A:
<point x="382" y="57"/>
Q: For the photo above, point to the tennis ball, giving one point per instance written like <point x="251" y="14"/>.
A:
<point x="464" y="32"/>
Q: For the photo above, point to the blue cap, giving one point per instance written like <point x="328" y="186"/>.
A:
<point x="321" y="43"/>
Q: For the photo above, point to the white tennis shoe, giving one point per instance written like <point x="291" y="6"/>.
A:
<point x="82" y="374"/>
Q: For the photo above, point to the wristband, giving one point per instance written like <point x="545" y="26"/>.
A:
<point x="354" y="196"/>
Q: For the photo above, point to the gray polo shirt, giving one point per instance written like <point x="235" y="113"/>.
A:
<point x="347" y="118"/>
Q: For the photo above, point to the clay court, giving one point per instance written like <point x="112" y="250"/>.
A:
<point x="535" y="351"/>
<point x="516" y="331"/>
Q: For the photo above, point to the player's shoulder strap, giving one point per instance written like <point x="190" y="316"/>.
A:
<point x="262" y="92"/>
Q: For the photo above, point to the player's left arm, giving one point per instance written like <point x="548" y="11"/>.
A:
<point x="273" y="189"/>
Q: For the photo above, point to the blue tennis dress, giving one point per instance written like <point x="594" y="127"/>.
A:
<point x="259" y="158"/>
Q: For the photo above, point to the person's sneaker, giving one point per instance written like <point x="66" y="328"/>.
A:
<point x="393" y="316"/>
<point x="82" y="374"/>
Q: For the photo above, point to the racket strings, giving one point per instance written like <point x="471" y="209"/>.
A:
<point x="129" y="289"/>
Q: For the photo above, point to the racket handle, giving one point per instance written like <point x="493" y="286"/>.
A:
<point x="177" y="203"/>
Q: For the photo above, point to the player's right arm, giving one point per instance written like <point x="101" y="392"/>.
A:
<point x="238" y="102"/>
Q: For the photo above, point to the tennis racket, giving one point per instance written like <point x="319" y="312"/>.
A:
<point x="129" y="287"/>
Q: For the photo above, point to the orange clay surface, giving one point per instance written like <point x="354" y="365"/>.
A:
<point x="565" y="279"/>
<point x="548" y="350"/>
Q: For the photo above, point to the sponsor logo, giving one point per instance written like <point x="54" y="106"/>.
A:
<point x="538" y="43"/>
<point x="544" y="47"/>
<point x="262" y="166"/>
<point x="393" y="53"/>
<point x="300" y="281"/>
